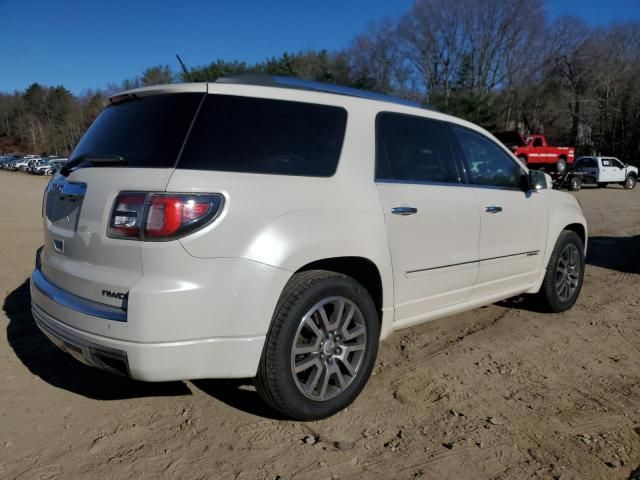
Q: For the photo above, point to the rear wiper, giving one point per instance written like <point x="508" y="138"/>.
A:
<point x="95" y="159"/>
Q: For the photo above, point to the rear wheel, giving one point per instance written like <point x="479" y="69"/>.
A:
<point x="561" y="165"/>
<point x="565" y="272"/>
<point x="630" y="183"/>
<point x="321" y="347"/>
<point x="575" y="184"/>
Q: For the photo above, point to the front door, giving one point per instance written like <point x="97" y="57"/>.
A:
<point x="513" y="222"/>
<point x="432" y="218"/>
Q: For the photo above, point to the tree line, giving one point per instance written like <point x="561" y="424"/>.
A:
<point x="502" y="64"/>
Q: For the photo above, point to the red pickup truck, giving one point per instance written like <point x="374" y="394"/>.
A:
<point x="536" y="152"/>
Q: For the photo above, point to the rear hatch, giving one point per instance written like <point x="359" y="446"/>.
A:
<point x="147" y="131"/>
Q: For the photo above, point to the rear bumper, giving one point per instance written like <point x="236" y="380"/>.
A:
<point x="214" y="330"/>
<point x="155" y="362"/>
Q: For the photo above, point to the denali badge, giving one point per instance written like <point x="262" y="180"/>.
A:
<point x="113" y="294"/>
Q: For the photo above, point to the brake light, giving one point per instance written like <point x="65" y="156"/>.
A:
<point x="161" y="216"/>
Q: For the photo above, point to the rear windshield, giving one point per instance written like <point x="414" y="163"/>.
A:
<point x="254" y="135"/>
<point x="146" y="131"/>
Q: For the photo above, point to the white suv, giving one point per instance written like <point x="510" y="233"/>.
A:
<point x="278" y="229"/>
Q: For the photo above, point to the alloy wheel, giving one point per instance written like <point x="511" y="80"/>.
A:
<point x="568" y="272"/>
<point x="328" y="348"/>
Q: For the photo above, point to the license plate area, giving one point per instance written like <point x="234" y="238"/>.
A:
<point x="63" y="205"/>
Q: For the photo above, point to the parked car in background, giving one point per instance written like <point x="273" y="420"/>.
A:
<point x="52" y="167"/>
<point x="33" y="164"/>
<point x="605" y="170"/>
<point x="29" y="163"/>
<point x="285" y="228"/>
<point x="536" y="152"/>
<point x="21" y="164"/>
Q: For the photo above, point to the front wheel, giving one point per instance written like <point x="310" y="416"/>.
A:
<point x="565" y="272"/>
<point x="321" y="347"/>
<point x="630" y="183"/>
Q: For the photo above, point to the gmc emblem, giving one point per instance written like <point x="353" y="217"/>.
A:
<point x="114" y="294"/>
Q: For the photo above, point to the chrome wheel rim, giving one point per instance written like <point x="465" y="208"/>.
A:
<point x="328" y="348"/>
<point x="630" y="182"/>
<point x="568" y="272"/>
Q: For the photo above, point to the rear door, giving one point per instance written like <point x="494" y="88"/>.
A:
<point x="78" y="256"/>
<point x="513" y="222"/>
<point x="607" y="171"/>
<point x="431" y="217"/>
<point x="588" y="166"/>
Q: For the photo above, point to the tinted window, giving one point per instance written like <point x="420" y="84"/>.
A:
<point x="147" y="131"/>
<point x="616" y="163"/>
<point x="412" y="149"/>
<point x="242" y="134"/>
<point x="487" y="163"/>
<point x="586" y="162"/>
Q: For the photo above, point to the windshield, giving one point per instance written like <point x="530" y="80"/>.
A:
<point x="145" y="131"/>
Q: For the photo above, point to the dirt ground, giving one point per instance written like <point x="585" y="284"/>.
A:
<point x="501" y="392"/>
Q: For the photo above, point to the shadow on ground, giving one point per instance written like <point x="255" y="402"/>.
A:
<point x="239" y="394"/>
<point x="59" y="369"/>
<point x="621" y="254"/>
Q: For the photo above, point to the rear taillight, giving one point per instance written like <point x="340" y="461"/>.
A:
<point x="161" y="216"/>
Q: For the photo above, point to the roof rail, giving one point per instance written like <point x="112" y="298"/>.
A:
<point x="266" y="80"/>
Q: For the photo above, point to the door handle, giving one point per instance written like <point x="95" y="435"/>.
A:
<point x="404" y="211"/>
<point x="493" y="209"/>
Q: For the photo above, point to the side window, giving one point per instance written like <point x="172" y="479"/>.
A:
<point x="617" y="163"/>
<point x="257" y="135"/>
<point x="413" y="149"/>
<point x="487" y="163"/>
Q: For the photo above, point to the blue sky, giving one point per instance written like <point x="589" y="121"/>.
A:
<point x="89" y="43"/>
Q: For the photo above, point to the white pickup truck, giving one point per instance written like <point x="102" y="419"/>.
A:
<point x="605" y="170"/>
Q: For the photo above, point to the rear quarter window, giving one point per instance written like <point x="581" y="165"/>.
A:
<point x="255" y="135"/>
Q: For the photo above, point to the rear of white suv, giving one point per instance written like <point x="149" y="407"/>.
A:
<point x="239" y="230"/>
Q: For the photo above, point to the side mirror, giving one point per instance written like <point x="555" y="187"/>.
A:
<point x="537" y="180"/>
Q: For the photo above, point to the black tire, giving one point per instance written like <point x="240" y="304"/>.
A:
<point x="602" y="184"/>
<point x="523" y="159"/>
<point x="276" y="381"/>
<point x="561" y="165"/>
<point x="549" y="292"/>
<point x="575" y="184"/>
<point x="630" y="183"/>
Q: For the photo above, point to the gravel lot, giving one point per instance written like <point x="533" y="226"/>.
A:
<point x="500" y="392"/>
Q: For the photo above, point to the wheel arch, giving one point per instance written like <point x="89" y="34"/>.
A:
<point x="361" y="269"/>
<point x="579" y="230"/>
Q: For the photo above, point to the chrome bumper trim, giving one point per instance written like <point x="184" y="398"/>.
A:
<point x="89" y="353"/>
<point x="74" y="302"/>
